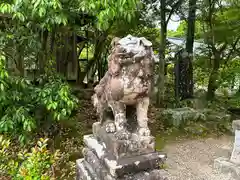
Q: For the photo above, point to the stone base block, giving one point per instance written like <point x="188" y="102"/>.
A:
<point x="85" y="172"/>
<point x="224" y="165"/>
<point x="121" y="167"/>
<point x="137" y="145"/>
<point x="235" y="125"/>
<point x="100" y="164"/>
<point x="82" y="171"/>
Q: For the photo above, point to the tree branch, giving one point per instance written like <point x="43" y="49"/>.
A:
<point x="173" y="9"/>
<point x="233" y="48"/>
<point x="223" y="47"/>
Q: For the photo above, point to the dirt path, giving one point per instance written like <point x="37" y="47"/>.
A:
<point x="193" y="159"/>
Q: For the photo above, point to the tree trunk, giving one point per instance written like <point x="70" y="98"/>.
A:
<point x="42" y="61"/>
<point x="20" y="60"/>
<point x="74" y="52"/>
<point x="99" y="45"/>
<point x="79" y="74"/>
<point x="60" y="54"/>
<point x="97" y="55"/>
<point x="66" y="56"/>
<point x="212" y="83"/>
<point x="161" y="64"/>
<point x="189" y="47"/>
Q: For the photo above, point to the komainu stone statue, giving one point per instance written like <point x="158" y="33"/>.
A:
<point x="127" y="82"/>
<point x="121" y="146"/>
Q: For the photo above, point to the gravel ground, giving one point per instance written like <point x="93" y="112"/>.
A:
<point x="193" y="159"/>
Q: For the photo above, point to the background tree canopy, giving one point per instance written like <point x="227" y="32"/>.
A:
<point x="52" y="53"/>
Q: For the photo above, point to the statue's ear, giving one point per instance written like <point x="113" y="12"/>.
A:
<point x="145" y="42"/>
<point x="115" y="41"/>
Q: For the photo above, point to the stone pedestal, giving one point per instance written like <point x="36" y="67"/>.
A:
<point x="232" y="164"/>
<point x="107" y="158"/>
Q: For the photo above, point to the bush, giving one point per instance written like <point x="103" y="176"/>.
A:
<point x="234" y="101"/>
<point x="196" y="122"/>
<point x="36" y="164"/>
<point x="25" y="105"/>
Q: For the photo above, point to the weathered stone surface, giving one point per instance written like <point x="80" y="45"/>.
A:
<point x="235" y="125"/>
<point x="225" y="166"/>
<point x="147" y="175"/>
<point x="95" y="163"/>
<point x="92" y="143"/>
<point x="84" y="172"/>
<point x="118" y="168"/>
<point x="128" y="81"/>
<point x="121" y="147"/>
<point x="235" y="157"/>
<point x="136" y="145"/>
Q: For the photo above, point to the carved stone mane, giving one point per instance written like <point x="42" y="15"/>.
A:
<point x="127" y="82"/>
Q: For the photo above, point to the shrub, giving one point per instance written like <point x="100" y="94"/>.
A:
<point x="36" y="164"/>
<point x="24" y="105"/>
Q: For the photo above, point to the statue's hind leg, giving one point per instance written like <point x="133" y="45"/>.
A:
<point x="142" y="110"/>
<point x="119" y="112"/>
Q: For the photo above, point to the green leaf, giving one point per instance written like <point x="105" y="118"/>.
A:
<point x="1" y="87"/>
<point x="20" y="16"/>
<point x="58" y="116"/>
<point x="5" y="8"/>
<point x="54" y="105"/>
<point x="123" y="2"/>
<point x="64" y="112"/>
<point x="37" y="2"/>
<point x="129" y="18"/>
<point x="39" y="143"/>
<point x="42" y="11"/>
<point x="49" y="106"/>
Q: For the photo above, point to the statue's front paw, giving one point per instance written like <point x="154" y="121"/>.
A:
<point x="123" y="134"/>
<point x="110" y="128"/>
<point x="144" y="132"/>
<point x="133" y="146"/>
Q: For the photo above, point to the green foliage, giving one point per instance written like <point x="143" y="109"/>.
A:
<point x="4" y="155"/>
<point x="46" y="13"/>
<point x="20" y="100"/>
<point x="201" y="70"/>
<point x="109" y="11"/>
<point x="179" y="117"/>
<point x="229" y="73"/>
<point x="182" y="30"/>
<point x="234" y="101"/>
<point x="196" y="122"/>
<point x="55" y="95"/>
<point x="152" y="34"/>
<point x="36" y="164"/>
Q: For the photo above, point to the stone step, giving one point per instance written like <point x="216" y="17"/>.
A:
<point x="147" y="175"/>
<point x="123" y="166"/>
<point x="82" y="172"/>
<point x="224" y="165"/>
<point x="89" y="168"/>
<point x="96" y="163"/>
<point x="86" y="172"/>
